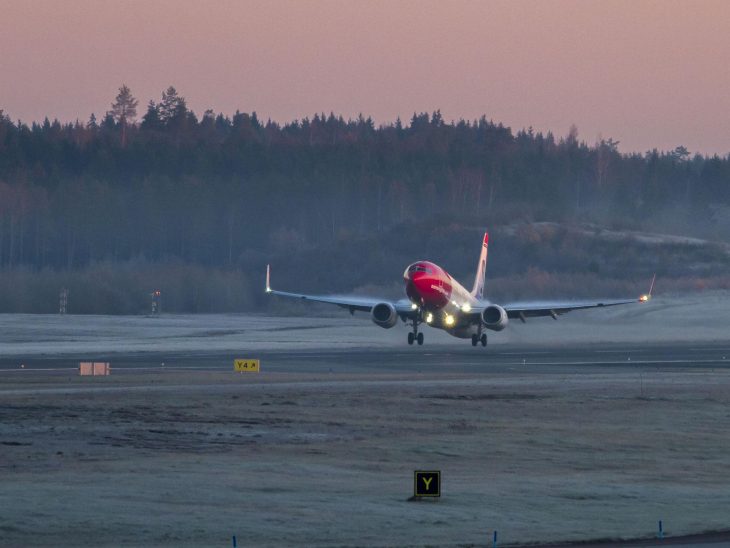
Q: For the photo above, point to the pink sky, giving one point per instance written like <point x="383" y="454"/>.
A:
<point x="647" y="73"/>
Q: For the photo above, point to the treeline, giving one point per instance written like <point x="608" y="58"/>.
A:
<point x="230" y="192"/>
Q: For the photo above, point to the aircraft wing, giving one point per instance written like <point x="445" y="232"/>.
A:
<point x="528" y="309"/>
<point x="533" y="309"/>
<point x="351" y="302"/>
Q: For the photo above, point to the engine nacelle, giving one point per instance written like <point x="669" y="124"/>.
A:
<point x="384" y="315"/>
<point x="494" y="317"/>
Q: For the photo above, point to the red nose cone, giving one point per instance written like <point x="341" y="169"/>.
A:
<point x="426" y="285"/>
<point x="415" y="282"/>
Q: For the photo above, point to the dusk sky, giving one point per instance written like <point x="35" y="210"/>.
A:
<point x="646" y="73"/>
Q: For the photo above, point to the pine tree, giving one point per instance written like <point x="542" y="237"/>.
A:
<point x="172" y="107"/>
<point x="151" y="119"/>
<point x="124" y="110"/>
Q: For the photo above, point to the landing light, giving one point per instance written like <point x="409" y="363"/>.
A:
<point x="644" y="298"/>
<point x="466" y="307"/>
<point x="449" y="320"/>
<point x="414" y="306"/>
<point x="429" y="317"/>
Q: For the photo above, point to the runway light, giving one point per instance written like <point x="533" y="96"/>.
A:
<point x="429" y="317"/>
<point x="449" y="320"/>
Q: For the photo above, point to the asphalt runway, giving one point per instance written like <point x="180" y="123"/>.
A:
<point x="453" y="358"/>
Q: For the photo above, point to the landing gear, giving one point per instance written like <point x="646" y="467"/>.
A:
<point x="479" y="338"/>
<point x="415" y="336"/>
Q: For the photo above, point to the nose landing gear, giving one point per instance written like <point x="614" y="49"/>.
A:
<point x="415" y="336"/>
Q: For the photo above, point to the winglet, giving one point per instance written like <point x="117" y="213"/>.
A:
<point x="268" y="278"/>
<point x="647" y="296"/>
<point x="478" y="288"/>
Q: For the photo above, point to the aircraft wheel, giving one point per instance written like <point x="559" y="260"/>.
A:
<point x="484" y="339"/>
<point x="419" y="338"/>
<point x="474" y="340"/>
<point x="410" y="338"/>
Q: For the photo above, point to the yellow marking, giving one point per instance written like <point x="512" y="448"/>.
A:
<point x="427" y="481"/>
<point x="242" y="366"/>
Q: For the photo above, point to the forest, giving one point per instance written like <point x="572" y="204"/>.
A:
<point x="196" y="205"/>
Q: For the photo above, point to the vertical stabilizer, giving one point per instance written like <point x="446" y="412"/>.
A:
<point x="478" y="290"/>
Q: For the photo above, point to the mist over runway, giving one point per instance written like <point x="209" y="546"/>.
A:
<point x="669" y="332"/>
<point x="666" y="319"/>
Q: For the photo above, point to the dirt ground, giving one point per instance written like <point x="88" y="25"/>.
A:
<point x="193" y="458"/>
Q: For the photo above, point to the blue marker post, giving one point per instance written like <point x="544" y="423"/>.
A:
<point x="234" y="541"/>
<point x="494" y="540"/>
<point x="661" y="530"/>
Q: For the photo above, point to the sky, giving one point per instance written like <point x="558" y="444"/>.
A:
<point x="650" y="74"/>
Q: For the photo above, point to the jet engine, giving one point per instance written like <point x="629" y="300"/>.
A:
<point x="384" y="315"/>
<point x="494" y="317"/>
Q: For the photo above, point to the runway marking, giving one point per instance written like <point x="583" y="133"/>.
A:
<point x="121" y="368"/>
<point x="19" y="369"/>
<point x="621" y="351"/>
<point x="631" y="362"/>
<point x="174" y="368"/>
<point x="708" y="349"/>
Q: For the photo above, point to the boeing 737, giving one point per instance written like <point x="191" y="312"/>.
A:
<point x="439" y="301"/>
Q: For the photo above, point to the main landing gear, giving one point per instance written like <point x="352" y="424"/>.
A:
<point x="476" y="339"/>
<point x="415" y="335"/>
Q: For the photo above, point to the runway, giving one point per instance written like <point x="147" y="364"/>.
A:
<point x="454" y="358"/>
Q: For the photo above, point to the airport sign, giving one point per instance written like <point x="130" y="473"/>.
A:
<point x="427" y="483"/>
<point x="243" y="365"/>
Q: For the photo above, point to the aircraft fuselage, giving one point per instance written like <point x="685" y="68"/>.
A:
<point x="440" y="297"/>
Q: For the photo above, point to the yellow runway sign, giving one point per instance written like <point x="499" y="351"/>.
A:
<point x="246" y="365"/>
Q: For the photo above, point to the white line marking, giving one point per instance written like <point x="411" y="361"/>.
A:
<point x="26" y="369"/>
<point x="619" y="351"/>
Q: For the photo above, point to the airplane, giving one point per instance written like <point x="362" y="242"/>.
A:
<point x="439" y="301"/>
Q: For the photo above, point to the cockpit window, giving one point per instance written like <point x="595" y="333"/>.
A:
<point x="419" y="268"/>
